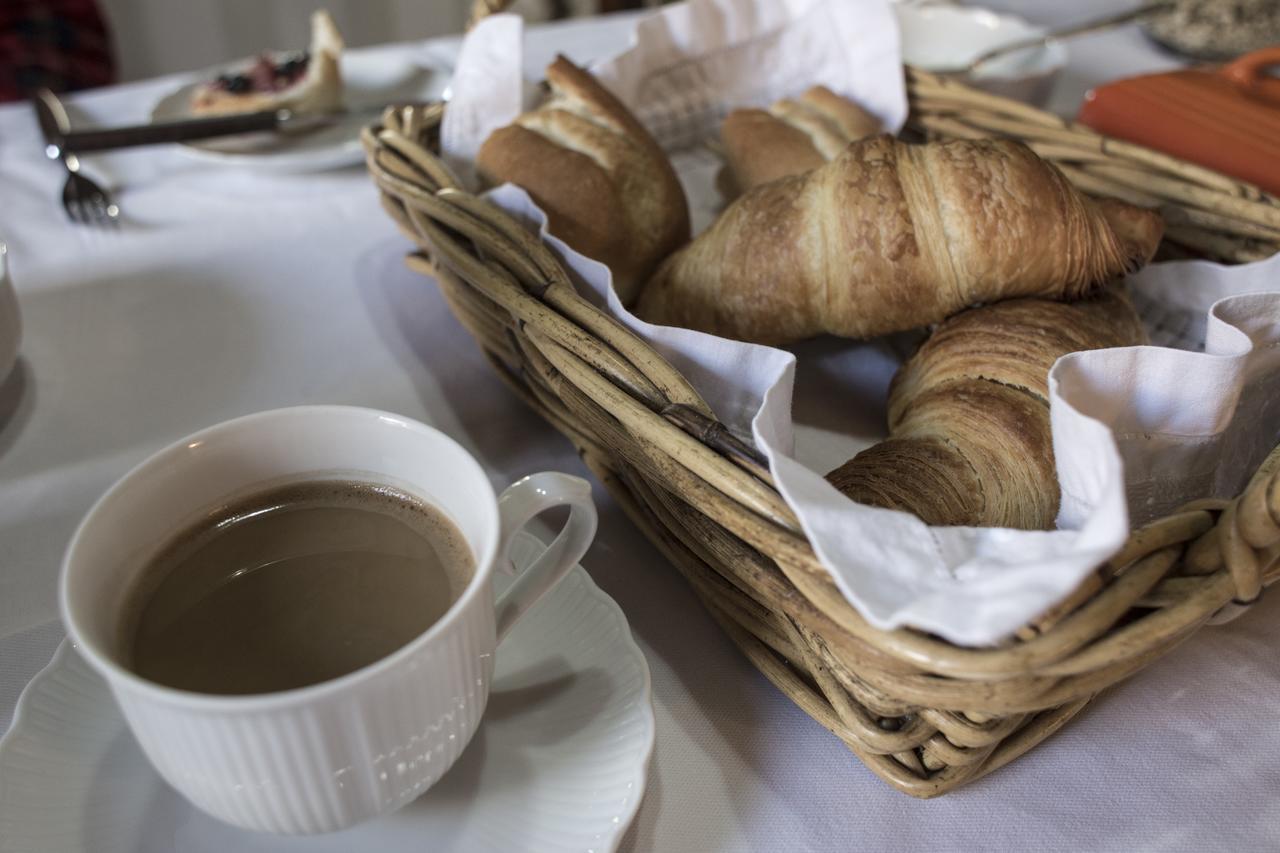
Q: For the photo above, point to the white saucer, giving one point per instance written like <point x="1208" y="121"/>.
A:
<point x="559" y="761"/>
<point x="369" y="80"/>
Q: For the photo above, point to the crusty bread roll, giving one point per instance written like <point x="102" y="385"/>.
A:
<point x="889" y="237"/>
<point x="791" y="137"/>
<point x="607" y="187"/>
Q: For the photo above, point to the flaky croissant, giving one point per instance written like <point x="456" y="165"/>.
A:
<point x="969" y="440"/>
<point x="890" y="236"/>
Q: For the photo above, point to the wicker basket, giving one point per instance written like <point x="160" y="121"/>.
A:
<point x="924" y="714"/>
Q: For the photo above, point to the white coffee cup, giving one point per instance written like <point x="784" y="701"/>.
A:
<point x="326" y="756"/>
<point x="10" y="321"/>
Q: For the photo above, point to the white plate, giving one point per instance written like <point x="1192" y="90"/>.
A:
<point x="559" y="761"/>
<point x="370" y="81"/>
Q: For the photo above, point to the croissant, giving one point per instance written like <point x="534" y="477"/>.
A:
<point x="890" y="236"/>
<point x="969" y="440"/>
<point x="791" y="137"/>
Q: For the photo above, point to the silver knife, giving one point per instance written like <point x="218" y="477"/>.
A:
<point x="207" y="127"/>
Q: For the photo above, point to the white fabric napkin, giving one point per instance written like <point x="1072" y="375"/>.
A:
<point x="485" y="92"/>
<point x="1136" y="430"/>
<point x="693" y="62"/>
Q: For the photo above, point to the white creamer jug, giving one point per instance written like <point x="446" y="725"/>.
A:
<point x="10" y="322"/>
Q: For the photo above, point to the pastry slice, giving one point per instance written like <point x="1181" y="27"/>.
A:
<point x="310" y="81"/>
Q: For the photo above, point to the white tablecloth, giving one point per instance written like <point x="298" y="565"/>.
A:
<point x="229" y="293"/>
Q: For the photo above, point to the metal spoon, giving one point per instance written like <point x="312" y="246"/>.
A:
<point x="1089" y="26"/>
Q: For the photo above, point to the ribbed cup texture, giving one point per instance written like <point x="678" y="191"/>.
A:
<point x="341" y="757"/>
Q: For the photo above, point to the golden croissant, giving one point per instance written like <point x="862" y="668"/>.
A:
<point x="891" y="236"/>
<point x="969" y="440"/>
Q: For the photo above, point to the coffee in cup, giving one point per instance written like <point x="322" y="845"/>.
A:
<point x="291" y="586"/>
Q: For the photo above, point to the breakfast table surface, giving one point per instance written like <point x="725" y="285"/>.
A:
<point x="227" y="292"/>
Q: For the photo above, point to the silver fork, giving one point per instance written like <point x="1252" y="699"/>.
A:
<point x="84" y="200"/>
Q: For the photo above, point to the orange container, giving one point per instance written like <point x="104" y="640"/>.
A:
<point x="1227" y="118"/>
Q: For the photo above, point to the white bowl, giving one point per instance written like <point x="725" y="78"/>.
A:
<point x="10" y="323"/>
<point x="941" y="37"/>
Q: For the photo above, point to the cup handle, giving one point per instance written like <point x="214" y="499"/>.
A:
<point x="516" y="507"/>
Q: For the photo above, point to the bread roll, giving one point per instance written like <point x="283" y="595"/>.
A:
<point x="606" y="186"/>
<point x="792" y="136"/>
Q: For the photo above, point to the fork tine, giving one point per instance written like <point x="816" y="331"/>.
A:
<point x="71" y="201"/>
<point x="87" y="203"/>
<point x="107" y="212"/>
<point x="101" y="205"/>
